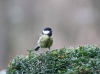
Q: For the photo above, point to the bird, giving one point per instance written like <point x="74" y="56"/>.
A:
<point x="45" y="39"/>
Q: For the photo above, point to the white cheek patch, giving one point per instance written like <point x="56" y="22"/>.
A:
<point x="46" y="32"/>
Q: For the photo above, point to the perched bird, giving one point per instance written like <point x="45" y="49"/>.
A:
<point x="45" y="40"/>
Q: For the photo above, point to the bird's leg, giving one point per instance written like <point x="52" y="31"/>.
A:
<point x="41" y="50"/>
<point x="49" y="48"/>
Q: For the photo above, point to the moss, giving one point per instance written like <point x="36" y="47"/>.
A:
<point x="81" y="60"/>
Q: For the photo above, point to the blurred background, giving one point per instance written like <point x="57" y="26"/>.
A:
<point x="74" y="23"/>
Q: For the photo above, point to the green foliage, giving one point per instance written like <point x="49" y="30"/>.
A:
<point x="80" y="60"/>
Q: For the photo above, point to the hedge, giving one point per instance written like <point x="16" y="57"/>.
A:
<point x="81" y="60"/>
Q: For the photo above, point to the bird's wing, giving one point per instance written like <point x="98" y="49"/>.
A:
<point x="39" y="36"/>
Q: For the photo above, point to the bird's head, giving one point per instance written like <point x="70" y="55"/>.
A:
<point x="47" y="31"/>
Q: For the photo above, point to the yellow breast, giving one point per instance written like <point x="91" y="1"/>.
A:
<point x="45" y="41"/>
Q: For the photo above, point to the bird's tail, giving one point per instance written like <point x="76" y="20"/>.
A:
<point x="36" y="48"/>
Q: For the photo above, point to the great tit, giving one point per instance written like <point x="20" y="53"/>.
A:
<point x="45" y="40"/>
